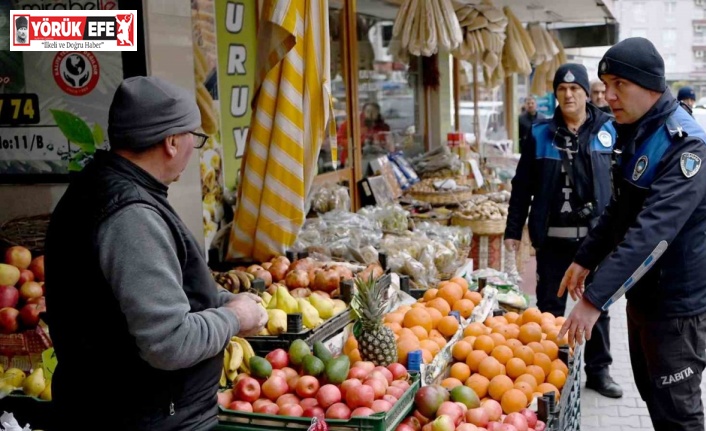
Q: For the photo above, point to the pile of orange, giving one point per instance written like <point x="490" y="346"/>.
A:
<point x="427" y="325"/>
<point x="511" y="358"/>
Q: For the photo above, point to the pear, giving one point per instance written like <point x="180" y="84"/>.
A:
<point x="266" y="298"/>
<point x="46" y="393"/>
<point x="14" y="377"/>
<point x="35" y="384"/>
<point x="310" y="316"/>
<point x="285" y="301"/>
<point x="338" y="306"/>
<point x="276" y="322"/>
<point x="323" y="305"/>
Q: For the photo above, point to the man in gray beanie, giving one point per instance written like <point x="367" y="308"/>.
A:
<point x="144" y="310"/>
<point x="564" y="177"/>
<point x="649" y="242"/>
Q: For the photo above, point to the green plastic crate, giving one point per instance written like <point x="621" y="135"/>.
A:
<point x="229" y="420"/>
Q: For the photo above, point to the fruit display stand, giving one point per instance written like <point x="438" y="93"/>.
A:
<point x="29" y="410"/>
<point x="438" y="369"/>
<point x="230" y="420"/>
<point x="568" y="415"/>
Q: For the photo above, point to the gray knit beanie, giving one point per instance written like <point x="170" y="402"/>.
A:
<point x="147" y="109"/>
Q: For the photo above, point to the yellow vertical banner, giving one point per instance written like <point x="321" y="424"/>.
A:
<point x="236" y="36"/>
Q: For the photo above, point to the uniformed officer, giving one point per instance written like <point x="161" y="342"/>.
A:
<point x="564" y="177"/>
<point x="687" y="97"/>
<point x="654" y="227"/>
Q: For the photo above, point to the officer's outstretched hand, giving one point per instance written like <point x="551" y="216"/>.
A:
<point x="580" y="322"/>
<point x="574" y="279"/>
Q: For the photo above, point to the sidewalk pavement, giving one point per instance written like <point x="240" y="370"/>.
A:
<point x="628" y="413"/>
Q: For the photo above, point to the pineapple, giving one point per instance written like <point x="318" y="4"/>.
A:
<point x="376" y="342"/>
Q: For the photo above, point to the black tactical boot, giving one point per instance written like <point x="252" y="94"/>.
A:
<point x="604" y="385"/>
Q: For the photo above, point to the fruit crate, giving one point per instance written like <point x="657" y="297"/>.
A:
<point x="264" y="344"/>
<point x="229" y="420"/>
<point x="569" y="414"/>
<point x="38" y="413"/>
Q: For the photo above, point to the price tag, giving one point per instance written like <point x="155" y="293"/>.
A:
<point x="16" y="109"/>
<point x="49" y="363"/>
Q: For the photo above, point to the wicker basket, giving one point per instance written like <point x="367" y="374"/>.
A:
<point x="443" y="198"/>
<point x="432" y="217"/>
<point x="479" y="227"/>
<point x="29" y="232"/>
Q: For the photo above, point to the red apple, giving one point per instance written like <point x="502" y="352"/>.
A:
<point x="366" y="365"/>
<point x="362" y="412"/>
<point x="8" y="320"/>
<point x="540" y="426"/>
<point x="241" y="406"/>
<point x="493" y="408"/>
<point x="279" y="373"/>
<point x="275" y="387"/>
<point x="477" y="416"/>
<point x="259" y="403"/>
<point x="239" y="377"/>
<point x="37" y="267"/>
<point x="278" y="358"/>
<point x="39" y="301"/>
<point x="517" y="420"/>
<point x="466" y="427"/>
<point x="443" y="423"/>
<point x="307" y="386"/>
<point x="18" y="256"/>
<point x="404" y="427"/>
<point x="381" y="406"/>
<point x="291" y="410"/>
<point x="338" y="411"/>
<point x="247" y="389"/>
<point x="328" y="395"/>
<point x="29" y="315"/>
<point x="377" y="374"/>
<point x="225" y="398"/>
<point x="427" y="427"/>
<point x="395" y="392"/>
<point x="360" y="396"/>
<point x="348" y="385"/>
<point x="451" y="410"/>
<point x="313" y="412"/>
<point x="9" y="296"/>
<point x="398" y="371"/>
<point x="378" y="387"/>
<point x="292" y="382"/>
<point x="9" y="275"/>
<point x="308" y="402"/>
<point x="390" y="399"/>
<point x="31" y="289"/>
<point x="401" y="384"/>
<point x="25" y="276"/>
<point x="531" y="417"/>
<point x="290" y="372"/>
<point x="412" y="422"/>
<point x="387" y="373"/>
<point x="287" y="399"/>
<point x="267" y="408"/>
<point x="357" y="373"/>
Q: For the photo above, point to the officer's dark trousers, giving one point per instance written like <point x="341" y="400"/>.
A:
<point x="668" y="359"/>
<point x="553" y="259"/>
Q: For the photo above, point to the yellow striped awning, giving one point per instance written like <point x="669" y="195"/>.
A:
<point x="292" y="107"/>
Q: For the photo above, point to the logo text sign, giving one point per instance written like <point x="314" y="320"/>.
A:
<point x="73" y="30"/>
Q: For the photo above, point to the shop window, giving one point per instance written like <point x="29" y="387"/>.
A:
<point x="669" y="38"/>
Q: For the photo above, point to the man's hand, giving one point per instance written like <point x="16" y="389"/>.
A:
<point x="574" y="279"/>
<point x="250" y="314"/>
<point x="580" y="322"/>
<point x="512" y="244"/>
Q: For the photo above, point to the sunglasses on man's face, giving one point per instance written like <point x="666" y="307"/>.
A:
<point x="200" y="139"/>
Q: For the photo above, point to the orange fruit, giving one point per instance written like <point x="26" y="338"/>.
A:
<point x="461" y="350"/>
<point x="525" y="353"/>
<point x="490" y="367"/>
<point x="470" y="340"/>
<point x="515" y="367"/>
<point x="530" y="332"/>
<point x="551" y="349"/>
<point x="354" y="356"/>
<point x="484" y="343"/>
<point x="526" y="388"/>
<point x="537" y="372"/>
<point x="548" y="387"/>
<point x="435" y="316"/>
<point x="558" y="364"/>
<point x="502" y="353"/>
<point x="394" y="318"/>
<point x="528" y="378"/>
<point x="440" y="341"/>
<point x="430" y="294"/>
<point x="394" y="326"/>
<point x="536" y="346"/>
<point x="448" y="326"/>
<point x="420" y="332"/>
<point x="513" y="401"/>
<point x="512" y="317"/>
<point x="406" y="332"/>
<point x="461" y="282"/>
<point x="419" y="304"/>
<point x="350" y="345"/>
<point x="403" y="309"/>
<point x="475" y="297"/>
<point x="548" y="316"/>
<point x="552" y="335"/>
<point x="427" y="356"/>
<point x="509" y="331"/>
<point x="479" y="384"/>
<point x="451" y="382"/>
<point x="464" y="307"/>
<point x="498" y="338"/>
<point x="556" y="378"/>
<point x="431" y="346"/>
<point x="404" y="346"/>
<point x="498" y="386"/>
<point x="501" y="320"/>
<point x="461" y="371"/>
<point x="532" y="315"/>
<point x="543" y="361"/>
<point x="474" y="359"/>
<point x="474" y="329"/>
<point x="417" y="317"/>
<point x="559" y="321"/>
<point x="441" y="305"/>
<point x="512" y="343"/>
<point x="451" y="292"/>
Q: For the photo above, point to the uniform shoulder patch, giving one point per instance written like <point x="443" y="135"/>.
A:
<point x="605" y="138"/>
<point x="640" y="167"/>
<point x="690" y="164"/>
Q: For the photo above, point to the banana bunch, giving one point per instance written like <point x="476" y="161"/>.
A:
<point x="236" y="359"/>
<point x="234" y="281"/>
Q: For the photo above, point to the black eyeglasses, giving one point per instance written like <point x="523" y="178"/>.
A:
<point x="200" y="143"/>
